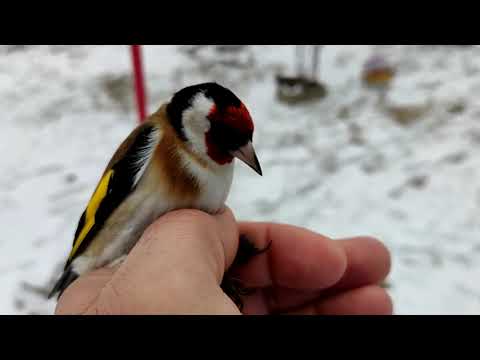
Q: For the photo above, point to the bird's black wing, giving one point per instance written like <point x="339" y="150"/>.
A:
<point x="118" y="180"/>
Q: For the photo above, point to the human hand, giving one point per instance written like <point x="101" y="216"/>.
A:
<point x="178" y="265"/>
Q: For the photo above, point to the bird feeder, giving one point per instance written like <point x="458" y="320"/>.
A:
<point x="377" y="72"/>
<point x="304" y="86"/>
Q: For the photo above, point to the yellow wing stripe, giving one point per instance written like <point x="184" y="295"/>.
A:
<point x="92" y="208"/>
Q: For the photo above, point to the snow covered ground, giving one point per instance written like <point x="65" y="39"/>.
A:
<point x="341" y="166"/>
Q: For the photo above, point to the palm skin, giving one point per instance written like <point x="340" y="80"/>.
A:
<point x="178" y="266"/>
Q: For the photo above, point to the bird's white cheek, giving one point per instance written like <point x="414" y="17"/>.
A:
<point x="195" y="134"/>
<point x="196" y="124"/>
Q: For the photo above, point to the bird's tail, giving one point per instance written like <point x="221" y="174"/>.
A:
<point x="65" y="280"/>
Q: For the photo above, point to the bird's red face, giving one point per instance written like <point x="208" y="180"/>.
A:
<point x="236" y="117"/>
<point x="230" y="129"/>
<point x="216" y="122"/>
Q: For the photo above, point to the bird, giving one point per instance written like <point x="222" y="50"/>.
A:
<point x="182" y="156"/>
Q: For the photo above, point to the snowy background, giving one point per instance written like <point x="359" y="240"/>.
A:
<point x="342" y="166"/>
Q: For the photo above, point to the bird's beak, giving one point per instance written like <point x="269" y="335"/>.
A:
<point x="247" y="154"/>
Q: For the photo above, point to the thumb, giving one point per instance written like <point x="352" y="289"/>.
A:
<point x="188" y="242"/>
<point x="184" y="252"/>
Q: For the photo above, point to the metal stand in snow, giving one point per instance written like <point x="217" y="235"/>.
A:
<point x="304" y="86"/>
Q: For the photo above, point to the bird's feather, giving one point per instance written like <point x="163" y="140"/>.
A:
<point x="87" y="221"/>
<point x="118" y="180"/>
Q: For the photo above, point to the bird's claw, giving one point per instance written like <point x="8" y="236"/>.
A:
<point x="232" y="286"/>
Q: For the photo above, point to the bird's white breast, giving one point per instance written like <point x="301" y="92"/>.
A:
<point x="214" y="180"/>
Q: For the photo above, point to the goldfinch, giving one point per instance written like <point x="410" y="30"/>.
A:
<point x="182" y="156"/>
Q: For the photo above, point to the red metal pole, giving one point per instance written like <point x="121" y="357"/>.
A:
<point x="140" y="92"/>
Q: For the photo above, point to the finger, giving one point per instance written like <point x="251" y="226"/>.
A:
<point x="368" y="300"/>
<point x="187" y="242"/>
<point x="276" y="299"/>
<point x="181" y="255"/>
<point x="184" y="239"/>
<point x="368" y="263"/>
<point x="297" y="258"/>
